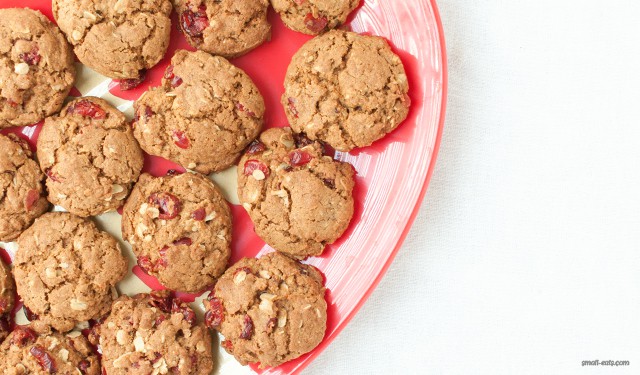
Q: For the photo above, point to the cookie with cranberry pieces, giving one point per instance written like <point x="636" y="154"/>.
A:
<point x="36" y="67"/>
<point x="120" y="39"/>
<point x="66" y="270"/>
<point x="346" y="89"/>
<point x="270" y="310"/>
<point x="227" y="28"/>
<point x="26" y="352"/>
<point x="314" y="16"/>
<point x="22" y="194"/>
<point x="90" y="157"/>
<point x="204" y="114"/>
<point x="298" y="199"/>
<point x="154" y="333"/>
<point x="180" y="230"/>
<point x="7" y="299"/>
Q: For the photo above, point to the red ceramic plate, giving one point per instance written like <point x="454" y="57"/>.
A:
<point x="392" y="175"/>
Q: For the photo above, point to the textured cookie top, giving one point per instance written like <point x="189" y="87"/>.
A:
<point x="65" y="270"/>
<point x="36" y="67"/>
<point x="117" y="38"/>
<point x="204" y="114"/>
<point x="180" y="229"/>
<point x="7" y="290"/>
<point x="226" y="28"/>
<point x="270" y="310"/>
<point x="314" y="16"/>
<point x="24" y="352"/>
<point x="22" y="193"/>
<point x="298" y="199"/>
<point x="346" y="89"/>
<point x="90" y="157"/>
<point x="154" y="333"/>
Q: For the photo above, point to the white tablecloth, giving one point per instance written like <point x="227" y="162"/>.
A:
<point x="525" y="257"/>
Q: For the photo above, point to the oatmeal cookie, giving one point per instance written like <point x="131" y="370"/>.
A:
<point x="346" y="89"/>
<point x="298" y="199"/>
<point x="7" y="299"/>
<point x="270" y="310"/>
<point x="180" y="230"/>
<point x="36" y="67"/>
<point x="66" y="270"/>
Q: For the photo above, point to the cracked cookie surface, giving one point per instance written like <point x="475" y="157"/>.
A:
<point x="314" y="16"/>
<point x="22" y="194"/>
<point x="227" y="28"/>
<point x="90" y="157"/>
<point x="65" y="270"/>
<point x="180" y="230"/>
<point x="117" y="38"/>
<point x="204" y="114"/>
<point x="36" y="67"/>
<point x="298" y="199"/>
<point x="346" y="89"/>
<point x="25" y="352"/>
<point x="154" y="334"/>
<point x="7" y="290"/>
<point x="270" y="310"/>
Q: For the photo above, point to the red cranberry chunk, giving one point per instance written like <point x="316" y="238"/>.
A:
<point x="22" y="336"/>
<point x="194" y="23"/>
<point x="86" y="108"/>
<point x="145" y="263"/>
<point x="162" y="301"/>
<point x="247" y="330"/>
<point x="32" y="57"/>
<point x="128" y="84"/>
<point x="215" y="314"/>
<point x="256" y="147"/>
<point x="31" y="199"/>
<point x="227" y="344"/>
<point x="199" y="215"/>
<point x="252" y="165"/>
<point x="180" y="139"/>
<point x="299" y="157"/>
<point x="183" y="241"/>
<point x="292" y="107"/>
<point x="45" y="360"/>
<point x="315" y="24"/>
<point x="84" y="366"/>
<point x="179" y="306"/>
<point x="242" y="108"/>
<point x="168" y="204"/>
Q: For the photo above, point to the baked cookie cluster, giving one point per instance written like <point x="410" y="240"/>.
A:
<point x="342" y="91"/>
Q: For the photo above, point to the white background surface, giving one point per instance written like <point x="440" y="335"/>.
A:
<point x="525" y="257"/>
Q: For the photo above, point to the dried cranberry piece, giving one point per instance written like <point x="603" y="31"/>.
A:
<point x="252" y="165"/>
<point x="168" y="204"/>
<point x="22" y="336"/>
<point x="315" y="24"/>
<point x="12" y="103"/>
<point x="242" y="108"/>
<point x="255" y="147"/>
<point x="145" y="263"/>
<point x="179" y="306"/>
<point x="194" y="23"/>
<point x="199" y="215"/>
<point x="247" y="330"/>
<point x="54" y="177"/>
<point x="44" y="358"/>
<point x="180" y="139"/>
<point x="215" y="314"/>
<point x="331" y="184"/>
<point x="86" y="108"/>
<point x="183" y="241"/>
<point x="176" y="81"/>
<point x="29" y="314"/>
<point x="161" y="300"/>
<point x="128" y="84"/>
<point x="32" y="197"/>
<point x="299" y="157"/>
<point x="84" y="366"/>
<point x="169" y="75"/>
<point x="271" y="324"/>
<point x="160" y="319"/>
<point x="32" y="57"/>
<point x="246" y="270"/>
<point x="292" y="107"/>
<point x="146" y="113"/>
<point x="162" y="262"/>
<point x="301" y="140"/>
<point x="227" y="344"/>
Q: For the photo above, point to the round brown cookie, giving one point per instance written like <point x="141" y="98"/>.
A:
<point x="204" y="114"/>
<point x="65" y="270"/>
<point x="154" y="333"/>
<point x="90" y="157"/>
<point x="314" y="16"/>
<point x="180" y="230"/>
<point x="117" y="38"/>
<point x="270" y="310"/>
<point x="298" y="199"/>
<point x="36" y="67"/>
<point x="226" y="28"/>
<point x="22" y="194"/>
<point x="7" y="299"/>
<point x="25" y="352"/>
<point x="346" y="89"/>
